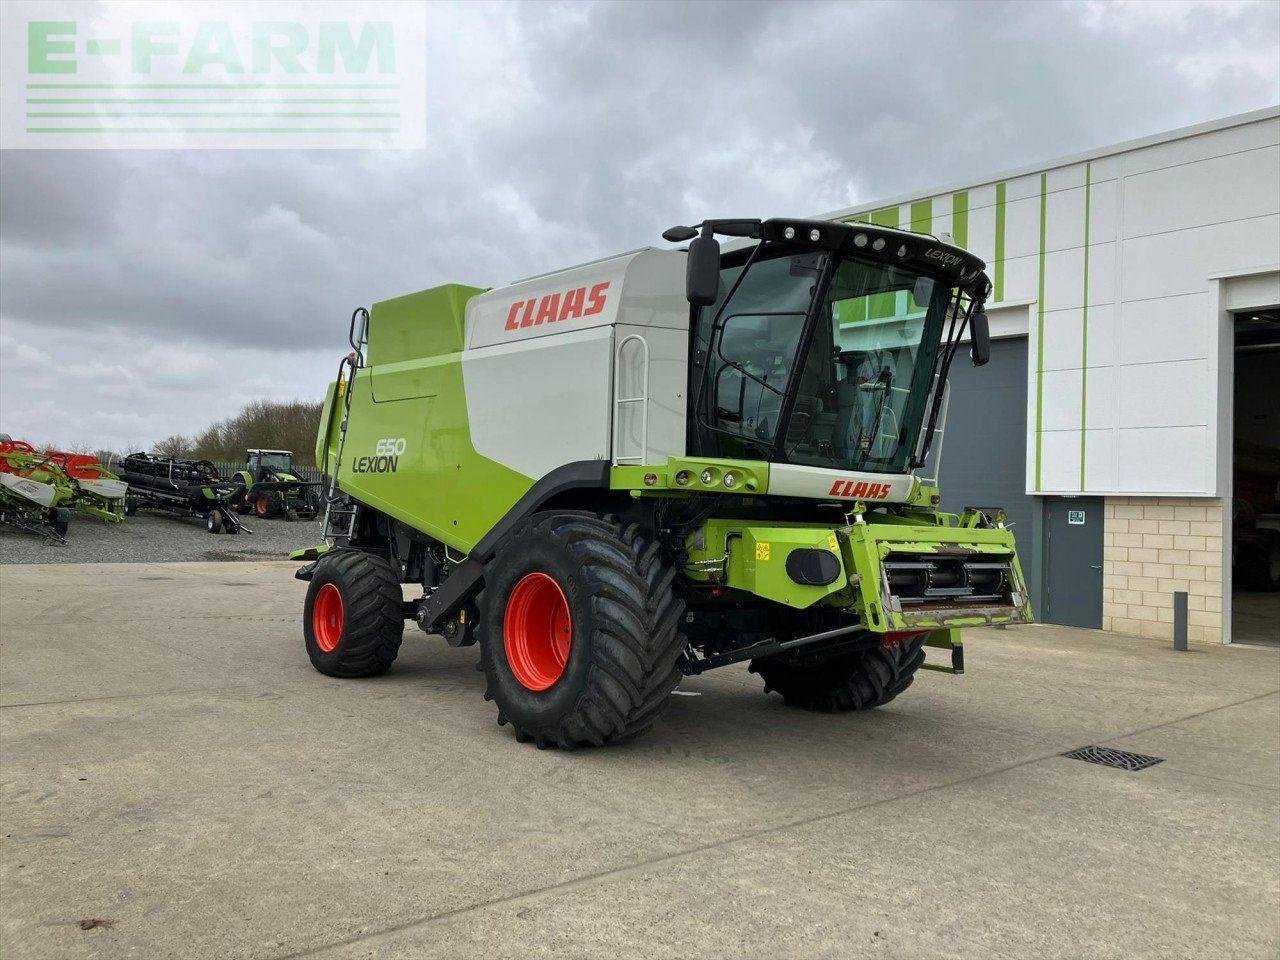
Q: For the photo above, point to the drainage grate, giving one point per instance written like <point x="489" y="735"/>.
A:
<point x="1120" y="759"/>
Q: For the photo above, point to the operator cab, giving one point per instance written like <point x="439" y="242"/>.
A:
<point x="260" y="461"/>
<point x="825" y="344"/>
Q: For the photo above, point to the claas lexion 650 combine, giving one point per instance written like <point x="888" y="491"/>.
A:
<point x="659" y="463"/>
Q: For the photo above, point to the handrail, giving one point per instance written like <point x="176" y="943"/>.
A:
<point x="642" y="398"/>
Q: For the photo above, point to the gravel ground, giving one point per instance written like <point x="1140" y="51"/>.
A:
<point x="159" y="538"/>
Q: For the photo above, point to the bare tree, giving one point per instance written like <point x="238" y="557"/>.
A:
<point x="273" y="425"/>
<point x="175" y="446"/>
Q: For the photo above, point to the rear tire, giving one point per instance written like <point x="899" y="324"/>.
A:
<point x="353" y="620"/>
<point x="610" y="642"/>
<point x="213" y="521"/>
<point x="852" y="680"/>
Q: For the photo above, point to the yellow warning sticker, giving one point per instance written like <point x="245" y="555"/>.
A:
<point x="833" y="543"/>
<point x="762" y="551"/>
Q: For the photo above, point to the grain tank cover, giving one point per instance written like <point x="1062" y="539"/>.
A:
<point x="424" y="324"/>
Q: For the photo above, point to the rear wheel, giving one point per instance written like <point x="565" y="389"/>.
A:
<point x="353" y="620"/>
<point x="213" y="521"/>
<point x="850" y="680"/>
<point x="578" y="631"/>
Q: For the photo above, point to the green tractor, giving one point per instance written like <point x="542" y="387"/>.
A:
<point x="272" y="488"/>
<point x="660" y="463"/>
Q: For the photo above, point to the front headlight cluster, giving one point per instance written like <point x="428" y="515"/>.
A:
<point x="713" y="477"/>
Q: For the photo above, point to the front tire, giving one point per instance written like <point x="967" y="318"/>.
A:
<point x="850" y="680"/>
<point x="578" y="631"/>
<point x="353" y="619"/>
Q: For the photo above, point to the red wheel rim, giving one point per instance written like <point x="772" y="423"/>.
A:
<point x="262" y="506"/>
<point x="537" y="631"/>
<point x="326" y="618"/>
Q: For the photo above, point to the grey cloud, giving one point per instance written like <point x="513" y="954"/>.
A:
<point x="559" y="133"/>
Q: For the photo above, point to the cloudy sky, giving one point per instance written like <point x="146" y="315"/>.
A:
<point x="145" y="293"/>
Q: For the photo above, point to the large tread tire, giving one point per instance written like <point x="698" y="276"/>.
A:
<point x="626" y="643"/>
<point x="855" y="680"/>
<point x="372" y="623"/>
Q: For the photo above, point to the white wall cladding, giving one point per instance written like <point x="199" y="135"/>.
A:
<point x="1123" y="361"/>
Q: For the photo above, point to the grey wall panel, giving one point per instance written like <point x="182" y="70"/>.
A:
<point x="984" y="452"/>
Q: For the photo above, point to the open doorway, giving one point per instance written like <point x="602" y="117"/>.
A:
<point x="1255" y="514"/>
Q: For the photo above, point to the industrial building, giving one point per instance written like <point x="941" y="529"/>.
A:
<point x="1129" y="420"/>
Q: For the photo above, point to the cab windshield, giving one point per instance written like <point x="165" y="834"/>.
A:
<point x="277" y="461"/>
<point x="851" y="377"/>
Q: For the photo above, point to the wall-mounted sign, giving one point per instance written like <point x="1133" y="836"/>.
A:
<point x="1075" y="518"/>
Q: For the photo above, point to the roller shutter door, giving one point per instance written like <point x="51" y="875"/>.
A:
<point x="984" y="452"/>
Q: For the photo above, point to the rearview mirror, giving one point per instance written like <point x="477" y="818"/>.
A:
<point x="702" y="272"/>
<point x="980" y="330"/>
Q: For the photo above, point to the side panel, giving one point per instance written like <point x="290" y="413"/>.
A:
<point x="414" y="459"/>
<point x="541" y="402"/>
<point x="539" y="365"/>
<point x="651" y="432"/>
<point x="653" y="310"/>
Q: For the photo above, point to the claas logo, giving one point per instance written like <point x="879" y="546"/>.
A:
<point x="859" y="490"/>
<point x="554" y="307"/>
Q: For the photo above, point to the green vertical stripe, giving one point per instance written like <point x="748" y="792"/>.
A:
<point x="922" y="216"/>
<point x="1084" y="325"/>
<point x="1044" y="194"/>
<point x="960" y="218"/>
<point x="999" y="258"/>
<point x="888" y="217"/>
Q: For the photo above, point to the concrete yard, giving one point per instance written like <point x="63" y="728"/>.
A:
<point x="170" y="764"/>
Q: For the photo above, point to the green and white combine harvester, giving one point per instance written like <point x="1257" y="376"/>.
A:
<point x="644" y="467"/>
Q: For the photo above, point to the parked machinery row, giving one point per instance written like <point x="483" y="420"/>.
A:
<point x="40" y="490"/>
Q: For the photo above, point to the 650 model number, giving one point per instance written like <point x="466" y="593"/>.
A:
<point x="385" y="459"/>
